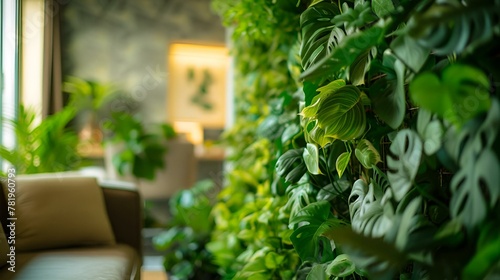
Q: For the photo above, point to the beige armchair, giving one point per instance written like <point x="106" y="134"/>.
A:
<point x="66" y="226"/>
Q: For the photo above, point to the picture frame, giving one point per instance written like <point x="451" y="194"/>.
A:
<point x="197" y="81"/>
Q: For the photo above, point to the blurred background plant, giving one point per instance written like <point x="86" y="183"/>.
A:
<point x="141" y="148"/>
<point x="187" y="233"/>
<point x="47" y="146"/>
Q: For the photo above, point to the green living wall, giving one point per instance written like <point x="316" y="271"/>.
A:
<point x="366" y="142"/>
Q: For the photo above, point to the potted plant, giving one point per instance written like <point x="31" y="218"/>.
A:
<point x="91" y="99"/>
<point x="139" y="150"/>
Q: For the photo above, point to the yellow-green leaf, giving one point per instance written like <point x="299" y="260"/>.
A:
<point x="342" y="163"/>
<point x="366" y="153"/>
<point x="342" y="114"/>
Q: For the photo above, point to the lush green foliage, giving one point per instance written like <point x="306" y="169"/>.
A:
<point x="391" y="169"/>
<point x="48" y="146"/>
<point x="251" y="238"/>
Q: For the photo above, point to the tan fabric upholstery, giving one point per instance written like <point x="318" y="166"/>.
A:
<point x="115" y="262"/>
<point x="54" y="212"/>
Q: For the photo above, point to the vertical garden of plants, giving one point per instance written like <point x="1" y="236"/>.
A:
<point x="366" y="141"/>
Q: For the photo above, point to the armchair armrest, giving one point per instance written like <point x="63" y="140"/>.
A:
<point x="124" y="207"/>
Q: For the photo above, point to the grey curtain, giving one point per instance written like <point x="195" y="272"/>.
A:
<point x="52" y="75"/>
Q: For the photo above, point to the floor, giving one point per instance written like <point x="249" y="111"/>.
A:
<point x="153" y="275"/>
<point x="152" y="268"/>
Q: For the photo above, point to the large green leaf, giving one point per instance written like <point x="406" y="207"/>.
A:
<point x="350" y="48"/>
<point x="388" y="93"/>
<point x="403" y="162"/>
<point x="342" y="114"/>
<point x="336" y="113"/>
<point x="463" y="93"/>
<point x="367" y="154"/>
<point x="475" y="189"/>
<point x="311" y="159"/>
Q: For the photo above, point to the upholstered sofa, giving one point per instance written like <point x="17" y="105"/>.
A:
<point x="60" y="226"/>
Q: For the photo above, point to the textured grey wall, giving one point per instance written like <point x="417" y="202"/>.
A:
<point x="126" y="42"/>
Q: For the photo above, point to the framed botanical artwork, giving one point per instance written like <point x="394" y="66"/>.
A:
<point x="197" y="84"/>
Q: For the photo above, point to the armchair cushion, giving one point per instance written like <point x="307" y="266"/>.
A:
<point x="56" y="212"/>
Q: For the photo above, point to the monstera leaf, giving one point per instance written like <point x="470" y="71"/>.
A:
<point x="318" y="33"/>
<point x="454" y="27"/>
<point x="346" y="52"/>
<point x="308" y="239"/>
<point x="368" y="215"/>
<point x="291" y="165"/>
<point x="475" y="189"/>
<point x="299" y="196"/>
<point x="403" y="162"/>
